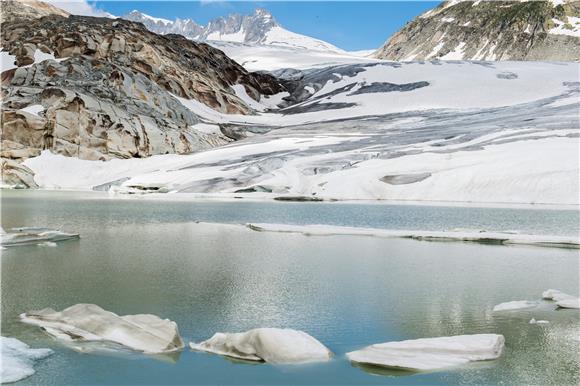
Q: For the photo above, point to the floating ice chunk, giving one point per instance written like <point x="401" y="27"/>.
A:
<point x="34" y="235"/>
<point x="569" y="303"/>
<point x="17" y="359"/>
<point x="534" y="321"/>
<point x="431" y="353"/>
<point x="515" y="305"/>
<point x="90" y="323"/>
<point x="556" y="295"/>
<point x="272" y="345"/>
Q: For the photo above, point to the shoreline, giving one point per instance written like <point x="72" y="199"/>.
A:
<point x="271" y="198"/>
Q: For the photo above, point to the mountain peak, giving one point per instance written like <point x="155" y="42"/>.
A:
<point x="258" y="28"/>
<point x="262" y="12"/>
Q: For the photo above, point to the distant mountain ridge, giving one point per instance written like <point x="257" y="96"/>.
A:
<point x="490" y="30"/>
<point x="259" y="28"/>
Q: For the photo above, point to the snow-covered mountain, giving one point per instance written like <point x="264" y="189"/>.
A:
<point x="259" y="28"/>
<point x="490" y="30"/>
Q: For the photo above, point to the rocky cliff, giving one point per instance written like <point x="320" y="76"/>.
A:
<point x="99" y="88"/>
<point x="490" y="30"/>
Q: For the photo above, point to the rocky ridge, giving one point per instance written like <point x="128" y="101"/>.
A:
<point x="99" y="88"/>
<point x="490" y="30"/>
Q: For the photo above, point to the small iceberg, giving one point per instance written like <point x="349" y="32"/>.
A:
<point x="515" y="305"/>
<point x="90" y="323"/>
<point x="556" y="295"/>
<point x="563" y="300"/>
<point x="431" y="353"/>
<point x="569" y="303"/>
<point x="17" y="359"/>
<point x="273" y="345"/>
<point x="534" y="321"/>
<point x="34" y="235"/>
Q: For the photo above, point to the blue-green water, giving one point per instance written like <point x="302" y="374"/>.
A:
<point x="148" y="256"/>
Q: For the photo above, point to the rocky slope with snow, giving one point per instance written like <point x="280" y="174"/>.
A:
<point x="490" y="30"/>
<point x="99" y="88"/>
<point x="259" y="28"/>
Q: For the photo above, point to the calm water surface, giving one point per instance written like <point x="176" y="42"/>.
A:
<point x="149" y="256"/>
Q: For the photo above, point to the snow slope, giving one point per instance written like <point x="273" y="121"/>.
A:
<point x="455" y="131"/>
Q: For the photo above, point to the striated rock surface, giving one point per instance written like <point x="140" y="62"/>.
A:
<point x="490" y="30"/>
<point x="99" y="88"/>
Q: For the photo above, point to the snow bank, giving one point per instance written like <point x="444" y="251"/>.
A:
<point x="467" y="236"/>
<point x="90" y="323"/>
<point x="431" y="353"/>
<point x="34" y="235"/>
<point x="515" y="305"/>
<point x="273" y="345"/>
<point x="17" y="359"/>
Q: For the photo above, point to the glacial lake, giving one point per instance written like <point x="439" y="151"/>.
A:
<point x="143" y="255"/>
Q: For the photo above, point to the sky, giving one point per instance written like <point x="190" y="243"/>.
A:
<point x="350" y="25"/>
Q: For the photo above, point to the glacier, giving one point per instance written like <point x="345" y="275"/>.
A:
<point x="422" y="131"/>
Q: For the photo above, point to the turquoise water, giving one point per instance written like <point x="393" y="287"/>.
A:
<point x="147" y="256"/>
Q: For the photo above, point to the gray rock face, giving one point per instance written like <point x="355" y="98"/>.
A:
<point x="109" y="93"/>
<point x="490" y="30"/>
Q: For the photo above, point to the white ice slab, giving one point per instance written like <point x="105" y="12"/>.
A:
<point x="467" y="236"/>
<point x="17" y="359"/>
<point x="569" y="303"/>
<point x="272" y="345"/>
<point x="90" y="323"/>
<point x="556" y="295"/>
<point x="515" y="305"/>
<point x="431" y="353"/>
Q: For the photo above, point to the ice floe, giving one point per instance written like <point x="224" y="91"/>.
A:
<point x="273" y="345"/>
<point x="90" y="323"/>
<point x="515" y="305"/>
<point x="34" y="235"/>
<point x="534" y="321"/>
<point x="563" y="300"/>
<point x="17" y="359"/>
<point x="466" y="236"/>
<point x="569" y="303"/>
<point x="431" y="353"/>
<point x="556" y="295"/>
